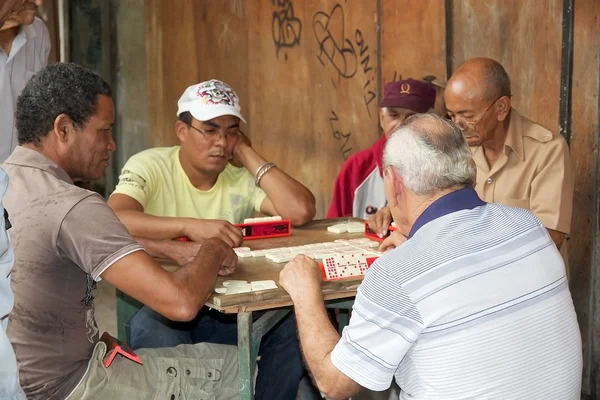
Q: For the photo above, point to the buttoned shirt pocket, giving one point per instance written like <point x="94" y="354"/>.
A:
<point x="520" y="203"/>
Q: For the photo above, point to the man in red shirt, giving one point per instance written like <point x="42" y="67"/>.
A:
<point x="358" y="190"/>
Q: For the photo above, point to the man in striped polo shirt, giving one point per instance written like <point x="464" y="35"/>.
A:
<point x="475" y="304"/>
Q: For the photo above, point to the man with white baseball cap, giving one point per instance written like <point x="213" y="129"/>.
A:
<point x="199" y="189"/>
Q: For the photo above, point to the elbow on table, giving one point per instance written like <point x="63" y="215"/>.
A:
<point x="302" y="214"/>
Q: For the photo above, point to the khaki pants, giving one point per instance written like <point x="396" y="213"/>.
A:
<point x="200" y="372"/>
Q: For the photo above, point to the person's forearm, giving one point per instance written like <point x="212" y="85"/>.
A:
<point x="163" y="248"/>
<point x="318" y="338"/>
<point x="140" y="224"/>
<point x="197" y="279"/>
<point x="291" y="199"/>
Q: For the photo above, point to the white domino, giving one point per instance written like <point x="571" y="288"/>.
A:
<point x="259" y="253"/>
<point x="237" y="286"/>
<point x="263" y="285"/>
<point x="262" y="219"/>
<point x="243" y="252"/>
<point x="345" y="265"/>
<point x="355" y="227"/>
<point x="239" y="289"/>
<point x="338" y="228"/>
<point x="234" y="283"/>
<point x="283" y="258"/>
<point x="350" y="227"/>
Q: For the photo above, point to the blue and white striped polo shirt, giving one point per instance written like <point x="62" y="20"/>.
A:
<point x="475" y="305"/>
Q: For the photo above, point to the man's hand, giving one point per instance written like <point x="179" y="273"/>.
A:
<point x="199" y="229"/>
<point x="226" y="254"/>
<point x="241" y="145"/>
<point x="380" y="222"/>
<point x="230" y="260"/>
<point x="301" y="277"/>
<point x="183" y="252"/>
<point x="392" y="241"/>
<point x="186" y="252"/>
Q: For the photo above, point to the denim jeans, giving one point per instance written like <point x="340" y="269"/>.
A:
<point x="280" y="367"/>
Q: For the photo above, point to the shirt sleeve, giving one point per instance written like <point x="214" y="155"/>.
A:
<point x="384" y="325"/>
<point x="258" y="196"/>
<point x="92" y="236"/>
<point x="552" y="189"/>
<point x="137" y="180"/>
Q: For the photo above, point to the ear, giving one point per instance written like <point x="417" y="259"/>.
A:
<point x="381" y="118"/>
<point x="398" y="185"/>
<point x="63" y="126"/>
<point x="395" y="186"/>
<point x="181" y="129"/>
<point x="503" y="107"/>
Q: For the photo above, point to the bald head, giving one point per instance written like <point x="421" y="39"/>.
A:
<point x="481" y="78"/>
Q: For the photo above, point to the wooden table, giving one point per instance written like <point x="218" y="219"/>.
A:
<point x="276" y="300"/>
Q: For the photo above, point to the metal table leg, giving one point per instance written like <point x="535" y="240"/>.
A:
<point x="126" y="307"/>
<point x="249" y="337"/>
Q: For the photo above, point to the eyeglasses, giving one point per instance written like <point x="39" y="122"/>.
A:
<point x="214" y="135"/>
<point x="472" y="124"/>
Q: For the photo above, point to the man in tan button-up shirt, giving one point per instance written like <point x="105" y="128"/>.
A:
<point x="519" y="163"/>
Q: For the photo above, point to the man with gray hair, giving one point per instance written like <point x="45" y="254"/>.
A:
<point x="475" y="304"/>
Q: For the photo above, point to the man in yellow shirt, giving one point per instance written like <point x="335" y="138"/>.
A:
<point x="198" y="189"/>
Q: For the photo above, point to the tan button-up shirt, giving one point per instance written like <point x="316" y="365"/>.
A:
<point x="534" y="172"/>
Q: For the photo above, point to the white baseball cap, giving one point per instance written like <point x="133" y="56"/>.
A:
<point x="210" y="99"/>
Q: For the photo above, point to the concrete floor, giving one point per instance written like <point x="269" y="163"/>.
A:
<point x="106" y="308"/>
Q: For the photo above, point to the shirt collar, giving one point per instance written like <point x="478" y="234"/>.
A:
<point x="28" y="30"/>
<point x="462" y="199"/>
<point x="25" y="157"/>
<point x="514" y="136"/>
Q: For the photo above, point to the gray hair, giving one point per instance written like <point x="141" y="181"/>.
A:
<point x="430" y="154"/>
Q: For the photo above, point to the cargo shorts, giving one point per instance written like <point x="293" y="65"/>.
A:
<point x="202" y="371"/>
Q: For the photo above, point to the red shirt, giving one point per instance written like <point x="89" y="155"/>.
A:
<point x="358" y="190"/>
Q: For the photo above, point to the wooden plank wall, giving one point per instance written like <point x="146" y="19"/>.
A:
<point x="585" y="138"/>
<point x="309" y="72"/>
<point x="525" y="37"/>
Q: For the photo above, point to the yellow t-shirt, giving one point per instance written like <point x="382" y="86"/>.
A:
<point x="155" y="178"/>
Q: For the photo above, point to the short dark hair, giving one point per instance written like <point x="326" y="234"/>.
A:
<point x="498" y="80"/>
<point x="61" y="88"/>
<point x="185" y="117"/>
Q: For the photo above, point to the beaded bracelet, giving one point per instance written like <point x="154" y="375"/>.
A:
<point x="268" y="166"/>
